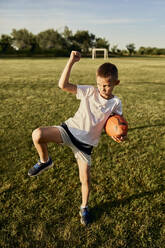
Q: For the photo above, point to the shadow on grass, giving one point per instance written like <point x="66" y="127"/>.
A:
<point x="147" y="83"/>
<point x="147" y="126"/>
<point x="98" y="210"/>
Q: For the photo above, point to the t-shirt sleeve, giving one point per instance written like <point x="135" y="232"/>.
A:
<point x="84" y="91"/>
<point x="118" y="109"/>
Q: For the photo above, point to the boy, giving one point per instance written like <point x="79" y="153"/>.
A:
<point x="82" y="131"/>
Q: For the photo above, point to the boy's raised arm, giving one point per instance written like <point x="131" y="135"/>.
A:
<point x="64" y="79"/>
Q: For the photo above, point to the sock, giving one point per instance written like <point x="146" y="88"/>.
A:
<point x="83" y="207"/>
<point x="46" y="161"/>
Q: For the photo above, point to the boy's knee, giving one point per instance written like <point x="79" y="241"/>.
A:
<point x="84" y="180"/>
<point x="37" y="135"/>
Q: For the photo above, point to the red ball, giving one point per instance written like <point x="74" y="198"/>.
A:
<point x="116" y="125"/>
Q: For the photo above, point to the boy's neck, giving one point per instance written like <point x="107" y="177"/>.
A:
<point x="108" y="98"/>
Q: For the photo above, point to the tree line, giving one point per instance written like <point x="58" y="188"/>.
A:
<point x="52" y="43"/>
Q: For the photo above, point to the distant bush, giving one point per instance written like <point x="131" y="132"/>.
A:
<point x="151" y="51"/>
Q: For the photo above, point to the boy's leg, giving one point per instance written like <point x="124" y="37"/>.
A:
<point x="84" y="174"/>
<point x="43" y="135"/>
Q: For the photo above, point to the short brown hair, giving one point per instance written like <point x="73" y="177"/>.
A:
<point x="106" y="70"/>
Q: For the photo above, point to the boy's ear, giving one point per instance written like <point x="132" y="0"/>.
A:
<point x="117" y="82"/>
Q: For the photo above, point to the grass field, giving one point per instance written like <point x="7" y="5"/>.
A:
<point x="127" y="200"/>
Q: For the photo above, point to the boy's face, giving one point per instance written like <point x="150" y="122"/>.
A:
<point x="106" y="85"/>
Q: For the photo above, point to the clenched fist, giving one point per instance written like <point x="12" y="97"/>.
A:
<point x="75" y="56"/>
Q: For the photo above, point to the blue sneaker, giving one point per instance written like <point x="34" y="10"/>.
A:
<point x="85" y="218"/>
<point x="40" y="167"/>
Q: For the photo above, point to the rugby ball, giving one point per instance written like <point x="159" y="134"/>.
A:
<point x="116" y="125"/>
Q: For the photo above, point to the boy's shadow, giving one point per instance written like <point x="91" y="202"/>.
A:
<point x="98" y="210"/>
<point x="143" y="127"/>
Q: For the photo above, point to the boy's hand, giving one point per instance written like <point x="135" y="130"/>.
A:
<point x="119" y="139"/>
<point x="75" y="56"/>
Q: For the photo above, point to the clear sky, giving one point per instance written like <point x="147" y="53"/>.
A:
<point x="121" y="22"/>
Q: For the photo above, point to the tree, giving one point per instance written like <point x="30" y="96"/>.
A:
<point x="101" y="43"/>
<point x="124" y="52"/>
<point x="160" y="51"/>
<point x="114" y="49"/>
<point x="5" y="43"/>
<point x="67" y="34"/>
<point x="141" y="50"/>
<point x="71" y="44"/>
<point x="23" y="40"/>
<point x="51" y="40"/>
<point x="131" y="48"/>
<point x="85" y="40"/>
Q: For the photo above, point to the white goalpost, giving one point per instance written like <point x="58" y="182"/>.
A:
<point x="94" y="50"/>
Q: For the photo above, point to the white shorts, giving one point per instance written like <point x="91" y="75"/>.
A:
<point x="77" y="153"/>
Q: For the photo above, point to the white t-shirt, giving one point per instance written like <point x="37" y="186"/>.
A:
<point x="90" y="118"/>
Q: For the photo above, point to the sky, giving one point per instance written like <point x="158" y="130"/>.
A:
<point x="121" y="22"/>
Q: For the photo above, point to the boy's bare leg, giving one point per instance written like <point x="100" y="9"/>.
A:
<point x="43" y="135"/>
<point x="84" y="174"/>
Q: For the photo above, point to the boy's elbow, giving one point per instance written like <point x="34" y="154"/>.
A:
<point x="60" y="85"/>
<point x="63" y="86"/>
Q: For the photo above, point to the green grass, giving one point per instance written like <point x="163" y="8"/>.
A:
<point x="127" y="192"/>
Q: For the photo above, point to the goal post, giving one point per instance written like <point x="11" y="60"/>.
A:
<point x="94" y="50"/>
